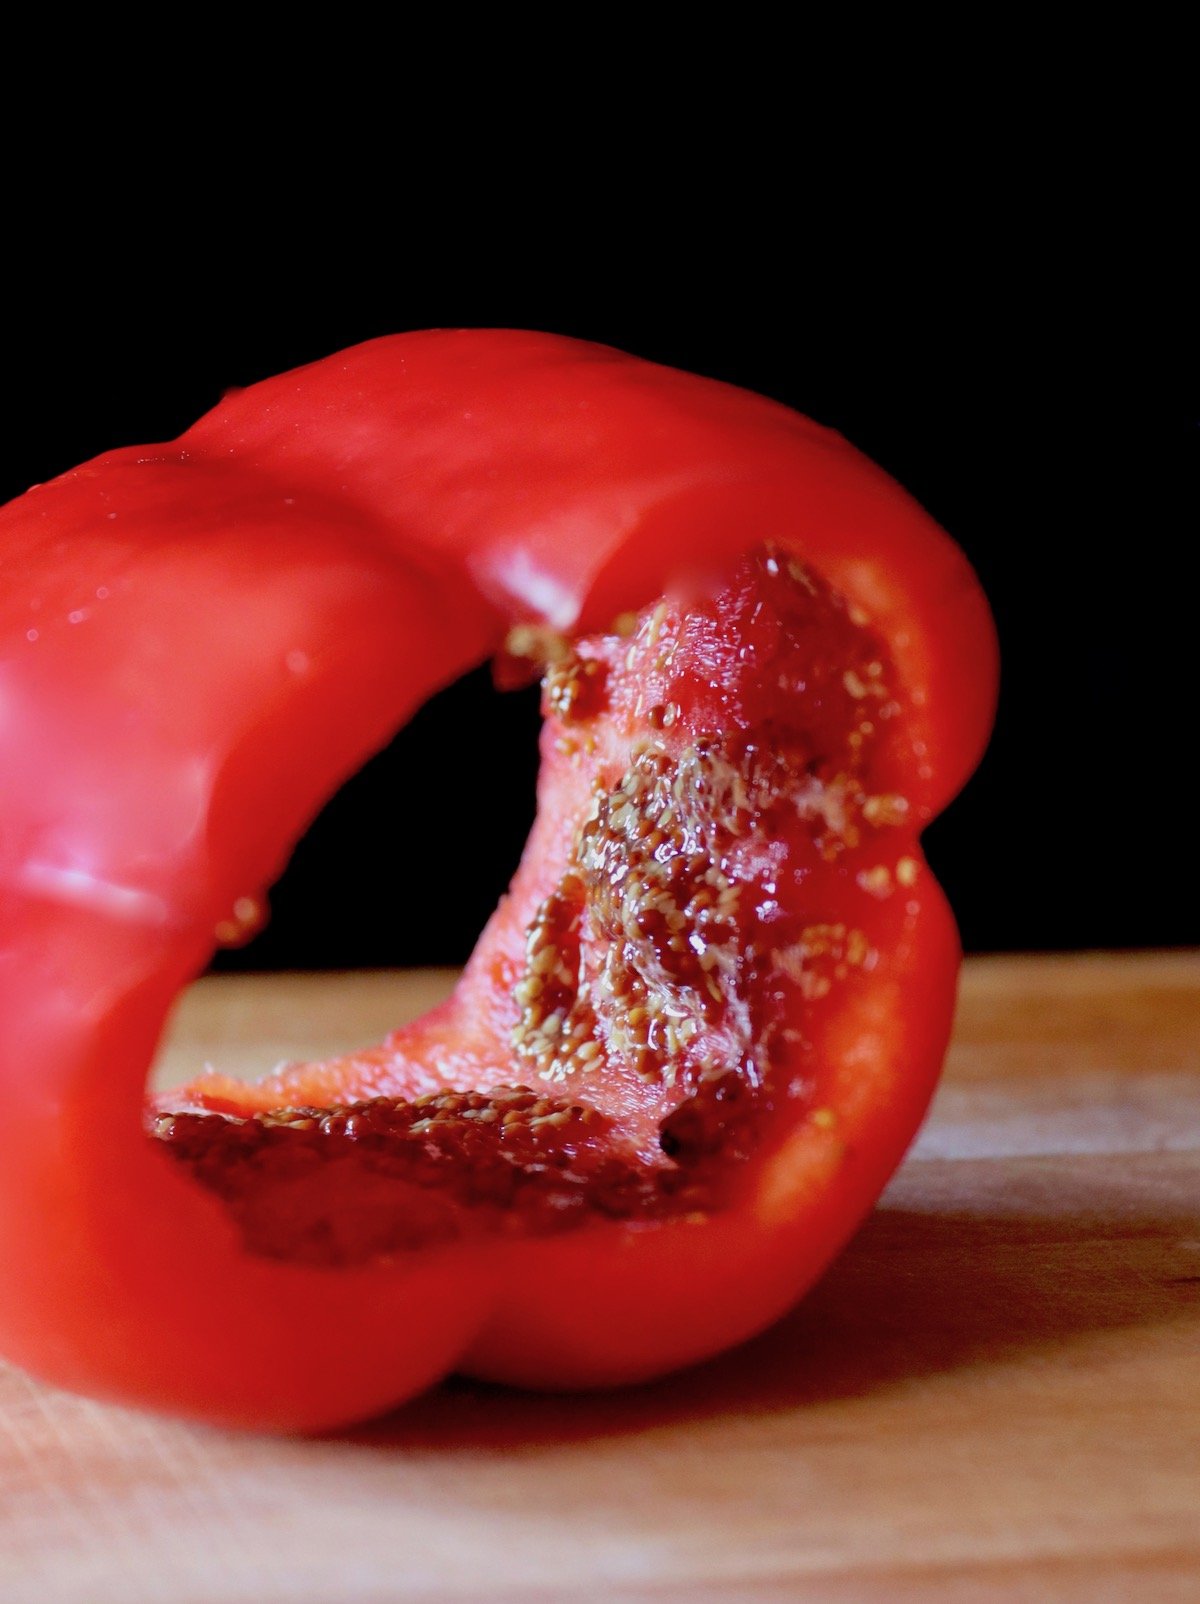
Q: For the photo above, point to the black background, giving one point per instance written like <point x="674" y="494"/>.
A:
<point x="1049" y="425"/>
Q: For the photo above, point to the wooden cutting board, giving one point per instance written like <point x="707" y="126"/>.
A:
<point x="994" y="1395"/>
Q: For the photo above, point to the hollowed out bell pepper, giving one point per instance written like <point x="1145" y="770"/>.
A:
<point x="201" y="640"/>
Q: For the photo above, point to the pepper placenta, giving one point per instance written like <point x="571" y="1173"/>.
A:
<point x="700" y="1031"/>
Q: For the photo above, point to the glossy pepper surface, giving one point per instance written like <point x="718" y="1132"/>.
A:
<point x="199" y="641"/>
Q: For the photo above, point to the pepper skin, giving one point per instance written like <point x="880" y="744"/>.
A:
<point x="200" y="641"/>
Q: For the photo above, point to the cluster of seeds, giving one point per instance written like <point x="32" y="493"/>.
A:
<point x="444" y="1123"/>
<point x="345" y="1185"/>
<point x="824" y="954"/>
<point x="872" y="700"/>
<point x="638" y="945"/>
<point x="556" y="1025"/>
<point x="573" y="688"/>
<point x="528" y="650"/>
<point x="662" y="912"/>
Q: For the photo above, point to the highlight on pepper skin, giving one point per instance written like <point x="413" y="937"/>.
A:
<point x="702" y="1027"/>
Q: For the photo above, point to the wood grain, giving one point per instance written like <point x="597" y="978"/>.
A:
<point x="994" y="1395"/>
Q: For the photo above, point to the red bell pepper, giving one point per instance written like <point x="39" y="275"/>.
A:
<point x="201" y="640"/>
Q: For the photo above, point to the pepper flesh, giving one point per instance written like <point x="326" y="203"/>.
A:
<point x="336" y="543"/>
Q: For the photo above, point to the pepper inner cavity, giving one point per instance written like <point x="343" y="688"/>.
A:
<point x="659" y="959"/>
